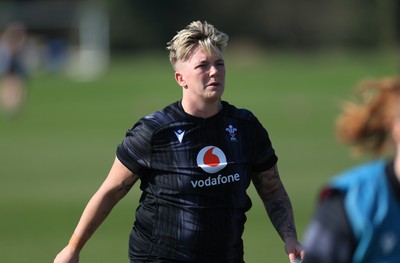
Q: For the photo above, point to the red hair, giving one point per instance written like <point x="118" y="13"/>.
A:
<point x="366" y="125"/>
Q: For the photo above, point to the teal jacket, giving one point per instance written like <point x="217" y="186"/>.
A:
<point x="374" y="212"/>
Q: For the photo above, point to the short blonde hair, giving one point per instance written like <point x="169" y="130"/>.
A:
<point x="196" y="34"/>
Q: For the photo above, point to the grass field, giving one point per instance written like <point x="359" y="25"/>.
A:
<point x="55" y="154"/>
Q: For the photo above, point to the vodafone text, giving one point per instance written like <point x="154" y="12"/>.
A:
<point x="216" y="180"/>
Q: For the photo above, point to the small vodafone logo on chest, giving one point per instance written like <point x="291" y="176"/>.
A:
<point x="211" y="159"/>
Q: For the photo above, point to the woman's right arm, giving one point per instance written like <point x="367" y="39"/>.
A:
<point x="117" y="184"/>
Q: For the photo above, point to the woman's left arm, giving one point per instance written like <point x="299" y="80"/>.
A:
<point x="279" y="208"/>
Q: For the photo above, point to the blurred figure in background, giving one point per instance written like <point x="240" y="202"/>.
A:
<point x="12" y="71"/>
<point x="357" y="218"/>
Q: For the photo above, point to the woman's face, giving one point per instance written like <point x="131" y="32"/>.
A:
<point x="202" y="76"/>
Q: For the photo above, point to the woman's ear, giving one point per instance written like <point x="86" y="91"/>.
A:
<point x="180" y="79"/>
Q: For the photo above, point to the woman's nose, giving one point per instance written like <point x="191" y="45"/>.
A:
<point x="213" y="70"/>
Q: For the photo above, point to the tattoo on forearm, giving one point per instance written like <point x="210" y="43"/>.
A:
<point x="281" y="219"/>
<point x="276" y="201"/>
<point x="127" y="186"/>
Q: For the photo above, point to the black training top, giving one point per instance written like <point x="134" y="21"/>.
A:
<point x="194" y="174"/>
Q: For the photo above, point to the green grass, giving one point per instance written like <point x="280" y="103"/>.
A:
<point x="57" y="151"/>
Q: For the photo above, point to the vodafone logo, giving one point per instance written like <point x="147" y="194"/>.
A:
<point x="211" y="159"/>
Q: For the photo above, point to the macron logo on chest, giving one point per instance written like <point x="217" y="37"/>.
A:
<point x="179" y="134"/>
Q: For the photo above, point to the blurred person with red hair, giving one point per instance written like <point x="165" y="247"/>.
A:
<point x="357" y="217"/>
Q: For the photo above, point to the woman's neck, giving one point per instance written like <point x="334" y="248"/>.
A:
<point x="201" y="109"/>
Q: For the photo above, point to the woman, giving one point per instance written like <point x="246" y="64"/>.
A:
<point x="195" y="160"/>
<point x="357" y="219"/>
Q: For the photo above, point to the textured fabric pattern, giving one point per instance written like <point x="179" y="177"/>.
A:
<point x="194" y="174"/>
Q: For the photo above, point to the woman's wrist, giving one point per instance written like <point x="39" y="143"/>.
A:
<point x="76" y="242"/>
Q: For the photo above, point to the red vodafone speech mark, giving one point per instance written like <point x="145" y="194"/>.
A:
<point x="211" y="159"/>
